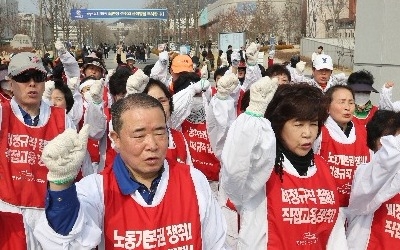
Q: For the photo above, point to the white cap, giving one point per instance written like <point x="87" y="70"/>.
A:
<point x="323" y="61"/>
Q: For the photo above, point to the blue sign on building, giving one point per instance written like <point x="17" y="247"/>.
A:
<point x="160" y="14"/>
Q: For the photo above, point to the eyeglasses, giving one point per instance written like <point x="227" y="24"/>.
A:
<point x="26" y="77"/>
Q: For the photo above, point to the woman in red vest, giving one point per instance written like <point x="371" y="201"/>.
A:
<point x="342" y="142"/>
<point x="375" y="195"/>
<point x="283" y="192"/>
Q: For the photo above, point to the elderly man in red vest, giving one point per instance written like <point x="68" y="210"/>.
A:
<point x="141" y="202"/>
<point x="27" y="124"/>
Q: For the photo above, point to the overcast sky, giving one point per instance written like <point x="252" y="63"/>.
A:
<point x="30" y="6"/>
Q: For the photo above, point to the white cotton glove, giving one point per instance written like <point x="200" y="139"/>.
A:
<point x="73" y="84"/>
<point x="109" y="74"/>
<point x="136" y="82"/>
<point x="235" y="58"/>
<point x="63" y="155"/>
<point x="204" y="72"/>
<point x="252" y="54"/>
<point x="271" y="54"/>
<point x="163" y="57"/>
<point x="60" y="47"/>
<point x="224" y="60"/>
<point x="226" y="85"/>
<point x="261" y="93"/>
<point x="160" y="69"/>
<point x="96" y="91"/>
<point x="300" y="66"/>
<point x="201" y="86"/>
<point x="49" y="86"/>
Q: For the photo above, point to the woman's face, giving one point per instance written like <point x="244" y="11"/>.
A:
<point x="342" y="107"/>
<point x="299" y="136"/>
<point x="58" y="99"/>
<point x="159" y="94"/>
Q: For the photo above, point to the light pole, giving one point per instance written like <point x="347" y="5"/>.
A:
<point x="179" y="23"/>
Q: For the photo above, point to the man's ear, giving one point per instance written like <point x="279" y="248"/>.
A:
<point x="115" y="138"/>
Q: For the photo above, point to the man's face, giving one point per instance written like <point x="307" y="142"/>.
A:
<point x="142" y="141"/>
<point x="241" y="73"/>
<point x="130" y="63"/>
<point x="322" y="76"/>
<point x="58" y="99"/>
<point x="28" y="88"/>
<point x="92" y="70"/>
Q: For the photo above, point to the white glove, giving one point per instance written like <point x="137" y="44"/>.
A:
<point x="271" y="53"/>
<point x="204" y="72"/>
<point x="48" y="88"/>
<point x="136" y="82"/>
<point x="63" y="155"/>
<point x="224" y="60"/>
<point x="60" y="47"/>
<point x="201" y="86"/>
<point x="96" y="91"/>
<point x="252" y="54"/>
<point x="261" y="93"/>
<point x="235" y="58"/>
<point x="300" y="66"/>
<point x="226" y="85"/>
<point x="73" y="84"/>
<point x="109" y="74"/>
<point x="163" y="57"/>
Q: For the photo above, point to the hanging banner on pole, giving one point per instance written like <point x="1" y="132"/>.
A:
<point x="160" y="14"/>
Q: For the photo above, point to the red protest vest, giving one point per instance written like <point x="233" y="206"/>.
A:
<point x="4" y="97"/>
<point x="301" y="212"/>
<point x="203" y="157"/>
<point x="364" y="121"/>
<point x="385" y="229"/>
<point x="172" y="224"/>
<point x="177" y="152"/>
<point x="12" y="234"/>
<point x="343" y="159"/>
<point x="23" y="176"/>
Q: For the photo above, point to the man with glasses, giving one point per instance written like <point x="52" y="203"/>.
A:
<point x="27" y="124"/>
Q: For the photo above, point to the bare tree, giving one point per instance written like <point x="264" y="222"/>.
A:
<point x="330" y="12"/>
<point x="291" y="20"/>
<point x="265" y="19"/>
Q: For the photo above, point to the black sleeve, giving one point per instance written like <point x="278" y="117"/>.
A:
<point x="119" y="59"/>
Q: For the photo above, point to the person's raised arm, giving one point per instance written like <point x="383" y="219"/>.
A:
<point x="248" y="156"/>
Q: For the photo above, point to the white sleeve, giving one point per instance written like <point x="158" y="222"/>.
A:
<point x="76" y="111"/>
<point x="339" y="79"/>
<point x="87" y="230"/>
<point x="295" y="76"/>
<point x="220" y="115"/>
<point x="182" y="107"/>
<point x="385" y="100"/>
<point x="253" y="74"/>
<point x="248" y="158"/>
<point x="160" y="72"/>
<point x="95" y="117"/>
<point x="377" y="181"/>
<point x="213" y="222"/>
<point x="69" y="123"/>
<point x="70" y="64"/>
